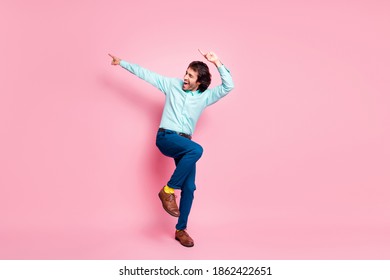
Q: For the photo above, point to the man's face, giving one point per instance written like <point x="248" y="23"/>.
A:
<point x="190" y="80"/>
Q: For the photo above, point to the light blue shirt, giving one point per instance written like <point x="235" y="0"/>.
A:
<point x="182" y="108"/>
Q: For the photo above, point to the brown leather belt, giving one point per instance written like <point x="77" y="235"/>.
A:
<point x="179" y="133"/>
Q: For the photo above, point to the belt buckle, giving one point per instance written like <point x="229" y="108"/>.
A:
<point x="183" y="134"/>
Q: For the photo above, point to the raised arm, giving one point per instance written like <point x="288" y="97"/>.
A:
<point x="227" y="85"/>
<point x="156" y="80"/>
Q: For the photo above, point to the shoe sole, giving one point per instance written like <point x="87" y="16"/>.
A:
<point x="184" y="244"/>
<point x="166" y="210"/>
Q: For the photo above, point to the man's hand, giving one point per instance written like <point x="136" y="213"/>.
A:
<point x="115" y="60"/>
<point x="212" y="57"/>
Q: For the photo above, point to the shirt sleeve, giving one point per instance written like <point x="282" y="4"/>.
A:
<point x="156" y="80"/>
<point x="222" y="90"/>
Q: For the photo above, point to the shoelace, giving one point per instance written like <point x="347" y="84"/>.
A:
<point x="183" y="232"/>
<point x="171" y="197"/>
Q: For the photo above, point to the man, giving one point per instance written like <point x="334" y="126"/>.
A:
<point x="184" y="102"/>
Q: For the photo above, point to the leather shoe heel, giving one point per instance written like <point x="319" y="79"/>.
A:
<point x="184" y="239"/>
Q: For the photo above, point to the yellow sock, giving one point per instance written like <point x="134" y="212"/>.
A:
<point x="169" y="190"/>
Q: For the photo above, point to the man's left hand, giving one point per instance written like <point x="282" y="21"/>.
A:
<point x="212" y="57"/>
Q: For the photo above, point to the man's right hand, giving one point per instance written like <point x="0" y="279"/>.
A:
<point x="115" y="60"/>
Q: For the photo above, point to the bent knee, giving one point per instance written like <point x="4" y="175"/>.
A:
<point x="198" y="151"/>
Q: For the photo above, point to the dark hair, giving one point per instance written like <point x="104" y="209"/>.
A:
<point x="204" y="76"/>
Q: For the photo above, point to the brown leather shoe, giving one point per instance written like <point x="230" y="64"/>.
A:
<point x="169" y="203"/>
<point x="184" y="239"/>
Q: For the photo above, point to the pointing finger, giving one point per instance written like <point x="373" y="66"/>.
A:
<point x="201" y="52"/>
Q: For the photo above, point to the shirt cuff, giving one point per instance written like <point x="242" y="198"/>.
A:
<point x="123" y="63"/>
<point x="222" y="69"/>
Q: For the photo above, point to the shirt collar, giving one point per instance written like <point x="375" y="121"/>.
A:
<point x="196" y="92"/>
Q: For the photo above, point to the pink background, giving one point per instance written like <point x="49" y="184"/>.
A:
<point x="297" y="157"/>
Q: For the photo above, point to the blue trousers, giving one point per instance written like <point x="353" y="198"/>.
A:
<point x="185" y="153"/>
